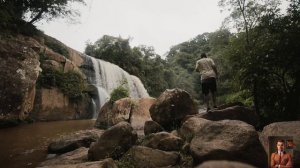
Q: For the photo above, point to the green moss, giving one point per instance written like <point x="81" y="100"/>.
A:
<point x="70" y="83"/>
<point x="126" y="161"/>
<point x="56" y="47"/>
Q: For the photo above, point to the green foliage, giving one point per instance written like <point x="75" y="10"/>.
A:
<point x="70" y="83"/>
<point x="265" y="61"/>
<point x="56" y="46"/>
<point x="182" y="58"/>
<point x="36" y="9"/>
<point x="125" y="162"/>
<point x="118" y="51"/>
<point x="119" y="93"/>
<point x="18" y="16"/>
<point x="241" y="96"/>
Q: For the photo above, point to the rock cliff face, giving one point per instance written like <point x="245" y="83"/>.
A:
<point x="22" y="61"/>
<point x="19" y="70"/>
<point x="53" y="105"/>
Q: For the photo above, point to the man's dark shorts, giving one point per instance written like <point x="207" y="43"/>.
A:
<point x="209" y="85"/>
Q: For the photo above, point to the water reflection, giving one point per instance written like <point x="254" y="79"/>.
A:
<point x="26" y="145"/>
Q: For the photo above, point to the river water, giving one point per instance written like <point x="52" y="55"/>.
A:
<point x="25" y="146"/>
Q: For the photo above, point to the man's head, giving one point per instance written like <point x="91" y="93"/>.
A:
<point x="203" y="55"/>
<point x="280" y="145"/>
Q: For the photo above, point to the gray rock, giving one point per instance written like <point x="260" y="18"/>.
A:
<point x="228" y="140"/>
<point x="224" y="106"/>
<point x="171" y="107"/>
<point x="144" y="157"/>
<point x="164" y="141"/>
<point x="77" y="156"/>
<point x="113" y="143"/>
<point x="135" y="111"/>
<point x="152" y="127"/>
<point x="287" y="129"/>
<point x="114" y="113"/>
<point x="19" y="71"/>
<point x="189" y="128"/>
<point x="106" y="163"/>
<point x="224" y="164"/>
<point x="73" y="141"/>
<point x="233" y="113"/>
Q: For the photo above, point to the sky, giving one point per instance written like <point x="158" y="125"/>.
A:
<point x="158" y="23"/>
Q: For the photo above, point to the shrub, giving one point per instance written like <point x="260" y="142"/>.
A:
<point x="70" y="83"/>
<point x="241" y="96"/>
<point x="56" y="46"/>
<point x="119" y="93"/>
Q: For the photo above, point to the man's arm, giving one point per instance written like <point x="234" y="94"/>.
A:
<point x="289" y="163"/>
<point x="273" y="165"/>
<point x="215" y="70"/>
<point x="196" y="67"/>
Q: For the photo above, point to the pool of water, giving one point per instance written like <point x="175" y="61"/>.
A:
<point x="26" y="145"/>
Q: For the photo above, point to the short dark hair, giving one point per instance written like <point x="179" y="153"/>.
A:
<point x="203" y="55"/>
<point x="280" y="140"/>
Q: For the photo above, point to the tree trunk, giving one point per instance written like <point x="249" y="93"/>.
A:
<point x="255" y="96"/>
<point x="292" y="111"/>
<point x="38" y="16"/>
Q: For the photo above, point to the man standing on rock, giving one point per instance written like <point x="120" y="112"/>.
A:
<point x="209" y="74"/>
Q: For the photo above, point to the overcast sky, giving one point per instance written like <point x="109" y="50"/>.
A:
<point x="157" y="23"/>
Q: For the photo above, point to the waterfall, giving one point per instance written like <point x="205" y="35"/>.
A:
<point x="105" y="77"/>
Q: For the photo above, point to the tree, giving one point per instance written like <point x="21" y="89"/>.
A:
<point x="271" y="66"/>
<point x="182" y="58"/>
<point x="246" y="14"/>
<point x="17" y="10"/>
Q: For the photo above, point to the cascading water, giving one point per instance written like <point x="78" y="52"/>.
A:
<point x="105" y="77"/>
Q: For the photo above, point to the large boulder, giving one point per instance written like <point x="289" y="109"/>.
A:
<point x="191" y="126"/>
<point x="135" y="111"/>
<point x="144" y="157"/>
<point x="76" y="159"/>
<point x="164" y="141"/>
<point x="73" y="141"/>
<point x="171" y="108"/>
<point x="19" y="71"/>
<point x="113" y="113"/>
<point x="140" y="112"/>
<point x="241" y="113"/>
<point x="152" y="127"/>
<point x="224" y="106"/>
<point x="224" y="164"/>
<point x="290" y="130"/>
<point x="77" y="156"/>
<point x="113" y="143"/>
<point x="106" y="163"/>
<point x="228" y="140"/>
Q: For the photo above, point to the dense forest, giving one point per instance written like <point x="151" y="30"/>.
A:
<point x="256" y="51"/>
